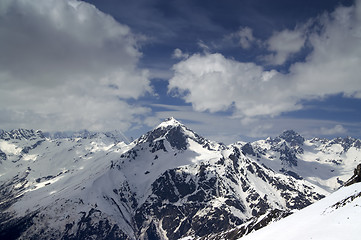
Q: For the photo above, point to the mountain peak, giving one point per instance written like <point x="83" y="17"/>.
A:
<point x="171" y="130"/>
<point x="169" y="122"/>
<point x="292" y="137"/>
<point x="176" y="133"/>
<point x="21" y="134"/>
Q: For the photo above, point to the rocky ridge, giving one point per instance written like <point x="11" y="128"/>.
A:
<point x="169" y="183"/>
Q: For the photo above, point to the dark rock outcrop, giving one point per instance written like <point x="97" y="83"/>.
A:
<point x="356" y="176"/>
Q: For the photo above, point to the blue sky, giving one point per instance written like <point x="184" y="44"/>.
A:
<point x="230" y="70"/>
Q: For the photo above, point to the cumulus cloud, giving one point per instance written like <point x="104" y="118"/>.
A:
<point x="333" y="65"/>
<point x="66" y="66"/>
<point x="283" y="44"/>
<point x="212" y="82"/>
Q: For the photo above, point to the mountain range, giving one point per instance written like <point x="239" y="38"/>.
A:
<point x="170" y="183"/>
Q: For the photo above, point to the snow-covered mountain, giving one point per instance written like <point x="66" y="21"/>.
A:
<point x="326" y="163"/>
<point x="335" y="217"/>
<point x="167" y="184"/>
<point x="41" y="180"/>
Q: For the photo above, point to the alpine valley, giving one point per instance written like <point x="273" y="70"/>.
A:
<point x="170" y="183"/>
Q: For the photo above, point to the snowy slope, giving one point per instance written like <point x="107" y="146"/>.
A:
<point x="184" y="184"/>
<point x="169" y="183"/>
<point x="49" y="176"/>
<point x="337" y="216"/>
<point x="326" y="163"/>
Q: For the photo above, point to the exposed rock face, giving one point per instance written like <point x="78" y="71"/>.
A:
<point x="292" y="137"/>
<point x="248" y="149"/>
<point x="254" y="224"/>
<point x="3" y="156"/>
<point x="168" y="184"/>
<point x="211" y="195"/>
<point x="356" y="176"/>
<point x="206" y="198"/>
<point x="21" y="134"/>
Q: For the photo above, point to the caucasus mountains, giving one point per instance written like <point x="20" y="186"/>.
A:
<point x="170" y="183"/>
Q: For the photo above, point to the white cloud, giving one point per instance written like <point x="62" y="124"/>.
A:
<point x="179" y="54"/>
<point x="283" y="44"/>
<point x="203" y="46"/>
<point x="337" y="129"/>
<point x="64" y="65"/>
<point x="243" y="37"/>
<point x="334" y="64"/>
<point x="212" y="82"/>
<point x="246" y="37"/>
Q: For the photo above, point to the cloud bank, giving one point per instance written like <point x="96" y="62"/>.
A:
<point x="211" y="82"/>
<point x="64" y="65"/>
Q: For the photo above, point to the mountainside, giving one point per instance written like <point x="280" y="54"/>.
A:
<point x="167" y="184"/>
<point x="326" y="163"/>
<point x="335" y="217"/>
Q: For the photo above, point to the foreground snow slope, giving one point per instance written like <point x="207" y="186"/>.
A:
<point x="337" y="216"/>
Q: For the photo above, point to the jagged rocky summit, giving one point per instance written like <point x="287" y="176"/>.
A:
<point x="356" y="177"/>
<point x="168" y="184"/>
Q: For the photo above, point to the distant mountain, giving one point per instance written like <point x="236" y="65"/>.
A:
<point x="326" y="163"/>
<point x="21" y="134"/>
<point x="116" y="135"/>
<point x="168" y="184"/>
